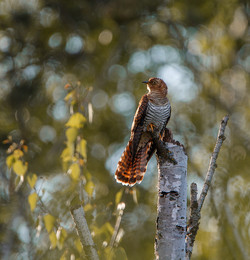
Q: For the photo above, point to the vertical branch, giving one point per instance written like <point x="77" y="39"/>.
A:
<point x="172" y="200"/>
<point x="84" y="233"/>
<point x="212" y="164"/>
<point x="194" y="218"/>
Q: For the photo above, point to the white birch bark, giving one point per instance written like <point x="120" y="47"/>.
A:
<point x="172" y="205"/>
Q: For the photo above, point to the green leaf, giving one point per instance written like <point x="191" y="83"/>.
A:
<point x="89" y="187"/>
<point x="120" y="253"/>
<point x="118" y="196"/>
<point x="49" y="222"/>
<point x="109" y="253"/>
<point x="32" y="180"/>
<point x="76" y="120"/>
<point x="53" y="239"/>
<point x="82" y="148"/>
<point x="32" y="199"/>
<point x="10" y="160"/>
<point x="20" y="168"/>
<point x="71" y="134"/>
<point x="74" y="171"/>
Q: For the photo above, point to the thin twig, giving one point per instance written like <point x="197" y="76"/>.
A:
<point x="120" y="209"/>
<point x="212" y="165"/>
<point x="195" y="207"/>
<point x="84" y="233"/>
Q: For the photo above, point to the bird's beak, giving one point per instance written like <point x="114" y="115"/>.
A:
<point x="146" y="82"/>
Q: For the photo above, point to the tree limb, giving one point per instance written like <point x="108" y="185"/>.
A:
<point x="195" y="208"/>
<point x="84" y="233"/>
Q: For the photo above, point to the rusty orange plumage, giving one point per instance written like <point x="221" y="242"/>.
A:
<point x="152" y="114"/>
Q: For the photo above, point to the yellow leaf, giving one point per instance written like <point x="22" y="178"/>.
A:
<point x="32" y="180"/>
<point x="71" y="134"/>
<point x="74" y="171"/>
<point x="87" y="207"/>
<point x="107" y="227"/>
<point x="82" y="148"/>
<point x="76" y="120"/>
<point x="90" y="186"/>
<point x="66" y="155"/>
<point x="32" y="199"/>
<point x="64" y="255"/>
<point x="78" y="245"/>
<point x="10" y="160"/>
<point x="61" y="238"/>
<point x="49" y="221"/>
<point x="18" y="153"/>
<point x="70" y="95"/>
<point x="20" y="168"/>
<point x="118" y="196"/>
<point x="53" y="239"/>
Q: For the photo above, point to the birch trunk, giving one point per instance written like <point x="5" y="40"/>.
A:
<point x="172" y="204"/>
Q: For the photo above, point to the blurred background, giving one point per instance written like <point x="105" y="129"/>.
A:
<point x="202" y="51"/>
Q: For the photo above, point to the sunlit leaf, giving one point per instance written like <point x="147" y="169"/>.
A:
<point x="87" y="207"/>
<point x="71" y="134"/>
<point x="90" y="186"/>
<point x="32" y="180"/>
<point x="18" y="153"/>
<point x="78" y="245"/>
<point x="20" y="168"/>
<point x="64" y="255"/>
<point x="107" y="228"/>
<point x="118" y="196"/>
<point x="6" y="141"/>
<point x="49" y="222"/>
<point x="76" y="120"/>
<point x="66" y="155"/>
<point x="70" y="95"/>
<point x="10" y="160"/>
<point x="74" y="171"/>
<point x="120" y="253"/>
<point x="82" y="148"/>
<point x="53" y="239"/>
<point x="32" y="199"/>
<point x="25" y="148"/>
<point x="67" y="86"/>
<point x="61" y="235"/>
<point x="109" y="253"/>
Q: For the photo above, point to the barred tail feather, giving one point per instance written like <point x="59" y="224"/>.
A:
<point x="131" y="169"/>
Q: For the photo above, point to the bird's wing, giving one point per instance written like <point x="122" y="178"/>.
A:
<point x="137" y="126"/>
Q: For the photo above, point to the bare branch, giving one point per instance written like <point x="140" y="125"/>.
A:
<point x="195" y="207"/>
<point x="212" y="164"/>
<point x="84" y="233"/>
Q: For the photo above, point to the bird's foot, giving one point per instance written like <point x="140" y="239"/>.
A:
<point x="150" y="128"/>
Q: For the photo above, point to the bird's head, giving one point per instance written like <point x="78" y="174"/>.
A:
<point x="157" y="85"/>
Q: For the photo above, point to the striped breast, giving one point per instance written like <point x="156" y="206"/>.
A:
<point x="157" y="115"/>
